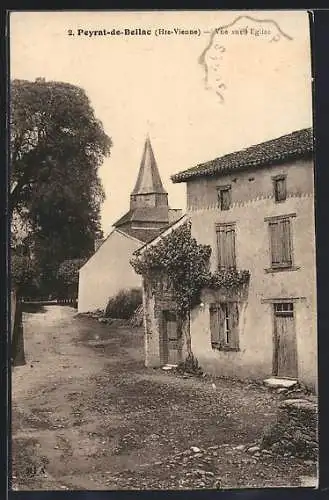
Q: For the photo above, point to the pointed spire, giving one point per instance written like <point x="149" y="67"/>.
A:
<point x="148" y="180"/>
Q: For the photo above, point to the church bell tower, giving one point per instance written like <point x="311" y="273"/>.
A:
<point x="148" y="191"/>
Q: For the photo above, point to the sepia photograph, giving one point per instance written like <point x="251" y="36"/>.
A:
<point x="163" y="326"/>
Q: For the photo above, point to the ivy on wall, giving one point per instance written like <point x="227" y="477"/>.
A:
<point x="186" y="265"/>
<point x="179" y="258"/>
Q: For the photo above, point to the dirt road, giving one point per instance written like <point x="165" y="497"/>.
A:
<point x="86" y="414"/>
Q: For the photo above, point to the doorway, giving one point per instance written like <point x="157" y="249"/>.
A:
<point x="285" y="344"/>
<point x="171" y="352"/>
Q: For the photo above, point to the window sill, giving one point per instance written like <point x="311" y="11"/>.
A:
<point x="280" y="269"/>
<point x="217" y="347"/>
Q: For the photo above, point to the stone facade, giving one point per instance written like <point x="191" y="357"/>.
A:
<point x="250" y="211"/>
<point x="159" y="350"/>
<point x="269" y="208"/>
<point x="269" y="205"/>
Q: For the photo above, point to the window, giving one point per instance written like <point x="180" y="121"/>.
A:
<point x="280" y="188"/>
<point x="224" y="322"/>
<point x="284" y="309"/>
<point x="280" y="242"/>
<point x="224" y="197"/>
<point x="226" y="245"/>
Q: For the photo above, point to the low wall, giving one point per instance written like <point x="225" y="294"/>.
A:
<point x="17" y="334"/>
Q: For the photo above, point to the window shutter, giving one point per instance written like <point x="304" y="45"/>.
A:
<point x="280" y="187"/>
<point x="221" y="247"/>
<point x="275" y="243"/>
<point x="214" y="325"/>
<point x="230" y="243"/>
<point x="286" y="241"/>
<point x="221" y="319"/>
<point x="226" y="246"/>
<point x="225" y="199"/>
<point x="234" y="315"/>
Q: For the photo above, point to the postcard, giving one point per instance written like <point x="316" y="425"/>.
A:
<point x="163" y="257"/>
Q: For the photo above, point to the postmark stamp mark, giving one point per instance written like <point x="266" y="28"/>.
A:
<point x="216" y="55"/>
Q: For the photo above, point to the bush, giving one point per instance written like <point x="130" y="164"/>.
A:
<point x="124" y="304"/>
<point x="190" y="365"/>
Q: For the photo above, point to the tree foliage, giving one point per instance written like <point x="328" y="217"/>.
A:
<point x="23" y="272"/>
<point x="180" y="258"/>
<point x="186" y="264"/>
<point x="68" y="271"/>
<point x="56" y="147"/>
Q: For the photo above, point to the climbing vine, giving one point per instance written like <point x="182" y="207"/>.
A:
<point x="186" y="264"/>
<point x="179" y="258"/>
<point x="229" y="278"/>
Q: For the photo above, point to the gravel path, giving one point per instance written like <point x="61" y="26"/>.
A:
<point x="88" y="415"/>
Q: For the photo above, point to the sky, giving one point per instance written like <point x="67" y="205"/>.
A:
<point x="198" y="95"/>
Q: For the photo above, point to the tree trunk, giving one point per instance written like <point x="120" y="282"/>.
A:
<point x="187" y="334"/>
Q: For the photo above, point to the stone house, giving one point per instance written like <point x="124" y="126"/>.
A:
<point x="108" y="270"/>
<point x="164" y="342"/>
<point x="255" y="208"/>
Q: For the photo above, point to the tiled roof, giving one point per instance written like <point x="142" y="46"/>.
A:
<point x="295" y="145"/>
<point x="162" y="232"/>
<point x="144" y="214"/>
<point x="144" y="235"/>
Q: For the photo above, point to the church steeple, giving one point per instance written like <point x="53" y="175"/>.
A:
<point x="148" y="190"/>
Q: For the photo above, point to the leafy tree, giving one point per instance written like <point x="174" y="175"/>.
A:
<point x="56" y="147"/>
<point x="23" y="272"/>
<point x="68" y="275"/>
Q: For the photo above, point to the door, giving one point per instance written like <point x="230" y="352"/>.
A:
<point x="171" y="348"/>
<point x="285" y="354"/>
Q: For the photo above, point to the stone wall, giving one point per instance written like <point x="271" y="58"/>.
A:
<point x="295" y="431"/>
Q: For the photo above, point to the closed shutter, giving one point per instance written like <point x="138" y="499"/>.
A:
<point x="234" y="315"/>
<point x="222" y="314"/>
<point x="221" y="247"/>
<point x="281" y="242"/>
<point x="226" y="247"/>
<point x="275" y="242"/>
<point x="225" y="199"/>
<point x="286" y="242"/>
<point x="280" y="189"/>
<point x="214" y="326"/>
<point x="230" y="243"/>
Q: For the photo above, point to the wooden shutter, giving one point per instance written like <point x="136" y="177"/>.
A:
<point x="225" y="198"/>
<point x="281" y="242"/>
<point x="214" y="326"/>
<point x="275" y="242"/>
<point x="234" y="326"/>
<point x="226" y="246"/>
<point x="220" y="246"/>
<point x="280" y="189"/>
<point x="286" y="241"/>
<point x="230" y="247"/>
<point x="221" y="320"/>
